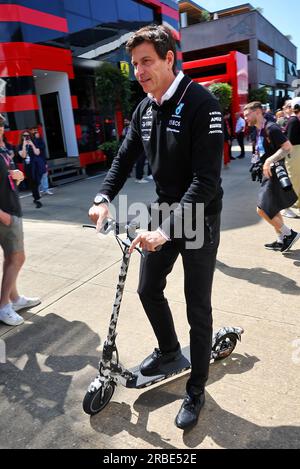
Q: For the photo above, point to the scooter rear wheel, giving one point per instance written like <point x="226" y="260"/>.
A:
<point x="93" y="403"/>
<point x="224" y="346"/>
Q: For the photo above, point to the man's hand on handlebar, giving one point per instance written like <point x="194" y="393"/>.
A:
<point x="148" y="241"/>
<point x="98" y="214"/>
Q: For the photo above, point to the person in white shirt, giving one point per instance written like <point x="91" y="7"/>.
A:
<point x="240" y="132"/>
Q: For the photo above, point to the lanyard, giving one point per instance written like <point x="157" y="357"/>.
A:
<point x="7" y="162"/>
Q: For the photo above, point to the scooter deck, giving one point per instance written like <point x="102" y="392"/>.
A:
<point x="166" y="371"/>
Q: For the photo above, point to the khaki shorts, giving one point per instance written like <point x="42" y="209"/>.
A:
<point x="11" y="237"/>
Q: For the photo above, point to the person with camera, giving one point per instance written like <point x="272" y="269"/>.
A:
<point x="33" y="165"/>
<point x="276" y="192"/>
<point x="11" y="236"/>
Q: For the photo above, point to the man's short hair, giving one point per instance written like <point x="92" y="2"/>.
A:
<point x="253" y="106"/>
<point x="159" y="35"/>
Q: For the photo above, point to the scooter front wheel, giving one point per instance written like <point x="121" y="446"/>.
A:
<point x="224" y="346"/>
<point x="94" y="401"/>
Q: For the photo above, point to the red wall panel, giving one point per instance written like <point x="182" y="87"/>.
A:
<point x="22" y="14"/>
<point x="18" y="103"/>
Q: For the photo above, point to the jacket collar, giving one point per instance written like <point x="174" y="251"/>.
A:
<point x="176" y="91"/>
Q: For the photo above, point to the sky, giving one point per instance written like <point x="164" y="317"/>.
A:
<point x="284" y="15"/>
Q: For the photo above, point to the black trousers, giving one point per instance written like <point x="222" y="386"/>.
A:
<point x="32" y="183"/>
<point x="140" y="165"/>
<point x="240" y="139"/>
<point x="199" y="266"/>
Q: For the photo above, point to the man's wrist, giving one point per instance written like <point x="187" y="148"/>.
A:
<point x="163" y="234"/>
<point x="101" y="199"/>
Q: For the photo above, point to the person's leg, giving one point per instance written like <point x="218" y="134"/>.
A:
<point x="199" y="267"/>
<point x="240" y="139"/>
<point x="276" y="221"/>
<point x="11" y="267"/>
<point x="149" y="169"/>
<point x="286" y="237"/>
<point x="29" y="178"/>
<point x="44" y="187"/>
<point x="34" y="186"/>
<point x="155" y="267"/>
<point x="139" y="168"/>
<point x="35" y="191"/>
<point x="226" y="157"/>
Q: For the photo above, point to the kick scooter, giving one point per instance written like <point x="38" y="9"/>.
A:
<point x="111" y="372"/>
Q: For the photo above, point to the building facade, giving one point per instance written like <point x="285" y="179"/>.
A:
<point x="49" y="51"/>
<point x="271" y="55"/>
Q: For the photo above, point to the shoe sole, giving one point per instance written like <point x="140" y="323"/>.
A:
<point x="273" y="249"/>
<point x="12" y="324"/>
<point x="19" y="308"/>
<point x="292" y="243"/>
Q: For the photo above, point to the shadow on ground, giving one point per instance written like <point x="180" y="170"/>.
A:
<point x="33" y="375"/>
<point x="261" y="276"/>
<point x="224" y="428"/>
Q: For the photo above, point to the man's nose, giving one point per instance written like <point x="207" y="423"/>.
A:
<point x="139" y="70"/>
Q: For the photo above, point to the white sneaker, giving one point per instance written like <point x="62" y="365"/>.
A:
<point x="24" y="302"/>
<point x="48" y="192"/>
<point x="141" y="181"/>
<point x="150" y="177"/>
<point x="288" y="213"/>
<point x="9" y="316"/>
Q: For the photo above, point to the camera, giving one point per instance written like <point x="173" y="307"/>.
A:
<point x="282" y="176"/>
<point x="256" y="171"/>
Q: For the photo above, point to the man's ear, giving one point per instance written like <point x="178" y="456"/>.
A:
<point x="170" y="58"/>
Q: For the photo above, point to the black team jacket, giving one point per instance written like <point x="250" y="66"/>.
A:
<point x="183" y="141"/>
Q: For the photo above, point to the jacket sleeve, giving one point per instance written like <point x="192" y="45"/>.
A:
<point x="206" y="159"/>
<point x="129" y="152"/>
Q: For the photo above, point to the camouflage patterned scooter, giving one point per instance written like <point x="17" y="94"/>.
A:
<point x="111" y="372"/>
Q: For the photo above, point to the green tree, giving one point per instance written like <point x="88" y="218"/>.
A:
<point x="259" y="94"/>
<point x="113" y="90"/>
<point x="110" y="149"/>
<point x="223" y="92"/>
<point x="205" y="16"/>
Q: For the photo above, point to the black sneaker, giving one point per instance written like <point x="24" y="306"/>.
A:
<point x="157" y="358"/>
<point x="289" y="240"/>
<point x="276" y="246"/>
<point x="189" y="412"/>
<point x="38" y="204"/>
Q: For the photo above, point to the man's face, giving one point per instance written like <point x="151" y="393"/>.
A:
<point x="35" y="133"/>
<point x="251" y="116"/>
<point x="153" y="73"/>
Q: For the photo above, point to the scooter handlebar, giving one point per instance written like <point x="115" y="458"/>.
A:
<point x="111" y="225"/>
